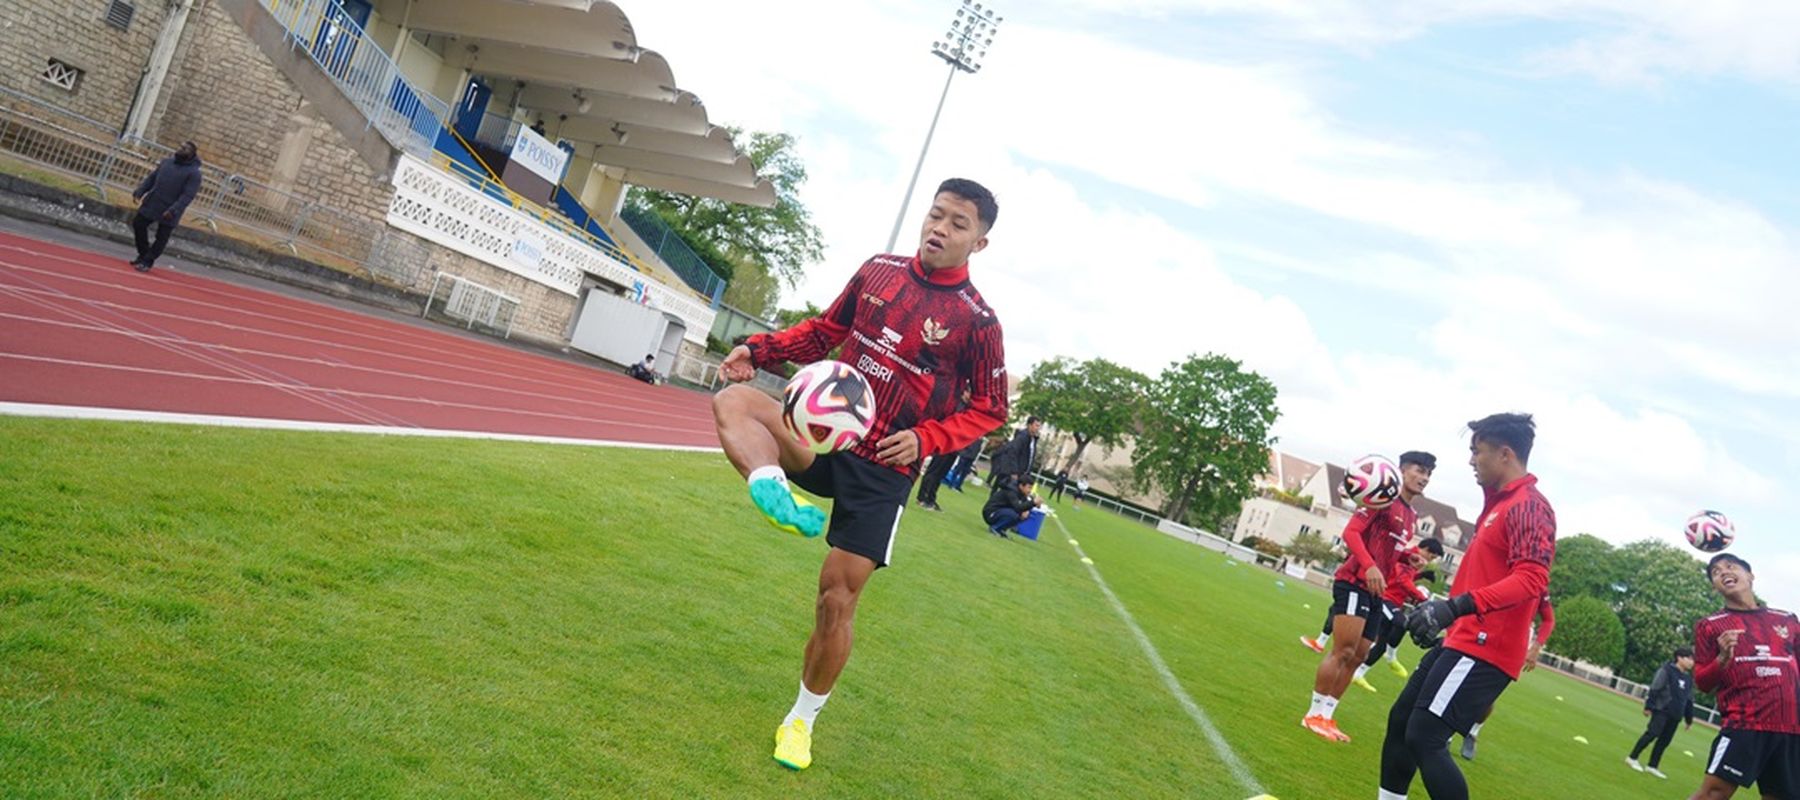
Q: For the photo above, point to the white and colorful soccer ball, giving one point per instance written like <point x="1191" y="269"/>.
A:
<point x="1372" y="481"/>
<point x="828" y="406"/>
<point x="1710" y="531"/>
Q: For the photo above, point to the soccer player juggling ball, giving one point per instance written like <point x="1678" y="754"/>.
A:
<point x="921" y="334"/>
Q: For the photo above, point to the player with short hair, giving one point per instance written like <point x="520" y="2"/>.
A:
<point x="1488" y="616"/>
<point x="1744" y="655"/>
<point x="1374" y="538"/>
<point x="1403" y="591"/>
<point x="921" y="334"/>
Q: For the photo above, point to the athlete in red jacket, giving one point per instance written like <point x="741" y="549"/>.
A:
<point x="923" y="337"/>
<point x="1745" y="654"/>
<point x="1488" y="614"/>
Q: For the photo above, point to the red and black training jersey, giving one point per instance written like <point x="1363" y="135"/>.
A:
<point x="1507" y="570"/>
<point x="1403" y="583"/>
<point x="920" y="338"/>
<point x="1757" y="686"/>
<point x="1376" y="537"/>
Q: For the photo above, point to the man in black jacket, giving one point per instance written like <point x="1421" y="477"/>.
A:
<point x="1671" y="698"/>
<point x="1008" y="505"/>
<point x="162" y="198"/>
<point x="1018" y="456"/>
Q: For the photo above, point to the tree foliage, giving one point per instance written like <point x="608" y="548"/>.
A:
<point x="1093" y="401"/>
<point x="1585" y="565"/>
<point x="758" y="250"/>
<point x="1203" y="437"/>
<point x="1311" y="547"/>
<point x="1587" y="629"/>
<point x="1657" y="591"/>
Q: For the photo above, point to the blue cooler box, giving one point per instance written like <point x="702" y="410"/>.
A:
<point x="1033" y="521"/>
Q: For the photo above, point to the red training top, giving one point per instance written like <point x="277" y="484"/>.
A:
<point x="1376" y="536"/>
<point x="1756" y="687"/>
<point x="920" y="338"/>
<point x="1402" y="583"/>
<point x="1507" y="569"/>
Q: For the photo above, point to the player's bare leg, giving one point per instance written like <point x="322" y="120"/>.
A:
<point x="751" y="433"/>
<point x="1333" y="676"/>
<point x="1713" y="787"/>
<point x="841" y="582"/>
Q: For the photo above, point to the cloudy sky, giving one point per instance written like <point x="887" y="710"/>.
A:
<point x="1406" y="215"/>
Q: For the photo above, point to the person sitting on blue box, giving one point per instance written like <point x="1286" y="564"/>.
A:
<point x="1008" y="505"/>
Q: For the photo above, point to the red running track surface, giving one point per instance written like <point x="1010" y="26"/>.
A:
<point x="81" y="329"/>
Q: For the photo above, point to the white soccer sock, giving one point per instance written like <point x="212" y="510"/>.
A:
<point x="772" y="472"/>
<point x="806" y="706"/>
<point x="1361" y="669"/>
<point x="1475" y="730"/>
<point x="1324" y="641"/>
<point x="1393" y="654"/>
<point x="1387" y="795"/>
<point x="1322" y="705"/>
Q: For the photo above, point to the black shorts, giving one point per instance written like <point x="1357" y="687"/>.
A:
<point x="1388" y="619"/>
<point x="1769" y="760"/>
<point x="1455" y="687"/>
<point x="866" y="501"/>
<point x="1350" y="600"/>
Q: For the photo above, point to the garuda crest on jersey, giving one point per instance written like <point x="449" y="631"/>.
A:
<point x="933" y="333"/>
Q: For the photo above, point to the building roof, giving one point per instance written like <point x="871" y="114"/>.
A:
<point x="1292" y="471"/>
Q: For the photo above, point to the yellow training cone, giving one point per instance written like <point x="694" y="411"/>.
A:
<point x="1086" y="560"/>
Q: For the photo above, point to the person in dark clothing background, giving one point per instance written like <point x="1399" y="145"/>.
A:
<point x="1671" y="698"/>
<point x="965" y="463"/>
<point x="1062" y="482"/>
<point x="644" y="370"/>
<point x="1008" y="505"/>
<point x="162" y="198"/>
<point x="1018" y="456"/>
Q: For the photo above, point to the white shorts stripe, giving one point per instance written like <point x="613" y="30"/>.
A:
<point x="1452" y="682"/>
<point x="1718" y="755"/>
<point x="887" y="557"/>
<point x="1351" y="604"/>
<point x="1386" y="612"/>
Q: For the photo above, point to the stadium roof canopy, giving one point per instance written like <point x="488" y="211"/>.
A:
<point x="577" y="65"/>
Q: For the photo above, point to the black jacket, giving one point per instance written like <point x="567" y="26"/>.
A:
<point x="1007" y="495"/>
<point x="1672" y="692"/>
<point x="168" y="189"/>
<point x="1016" y="457"/>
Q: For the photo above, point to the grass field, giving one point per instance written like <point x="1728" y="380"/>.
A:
<point x="195" y="612"/>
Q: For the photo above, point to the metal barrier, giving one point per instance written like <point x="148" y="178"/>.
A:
<point x="239" y="207"/>
<point x="670" y="247"/>
<point x="405" y="116"/>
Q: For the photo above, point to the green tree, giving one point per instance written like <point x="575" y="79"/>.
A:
<point x="764" y="247"/>
<point x="1585" y="565"/>
<point x="1093" y="401"/>
<point x="1311" y="547"/>
<point x="1588" y="630"/>
<point x="789" y="317"/>
<point x="1203" y="437"/>
<point x="1664" y="591"/>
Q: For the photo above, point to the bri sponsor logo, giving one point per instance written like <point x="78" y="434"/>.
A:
<point x="869" y="367"/>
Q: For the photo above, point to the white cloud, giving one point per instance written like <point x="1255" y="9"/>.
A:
<point x="1634" y="316"/>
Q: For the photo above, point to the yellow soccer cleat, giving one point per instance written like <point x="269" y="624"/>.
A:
<point x="785" y="509"/>
<point x="1398" y="668"/>
<point x="1363" y="682"/>
<point x="793" y="745"/>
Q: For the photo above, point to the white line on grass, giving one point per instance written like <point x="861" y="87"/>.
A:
<point x="131" y="415"/>
<point x="1221" y="747"/>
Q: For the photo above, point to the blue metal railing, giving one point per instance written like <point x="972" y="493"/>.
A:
<point x="405" y="116"/>
<point x="675" y="252"/>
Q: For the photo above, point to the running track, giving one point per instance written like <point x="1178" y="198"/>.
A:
<point x="81" y="329"/>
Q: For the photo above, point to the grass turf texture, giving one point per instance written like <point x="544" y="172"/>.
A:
<point x="198" y="612"/>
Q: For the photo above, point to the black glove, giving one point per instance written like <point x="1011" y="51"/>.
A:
<point x="1427" y="622"/>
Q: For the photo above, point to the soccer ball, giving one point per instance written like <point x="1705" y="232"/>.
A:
<point x="1372" y="481"/>
<point x="1710" y="531"/>
<point x="828" y="406"/>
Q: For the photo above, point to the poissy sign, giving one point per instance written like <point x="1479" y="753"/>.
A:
<point x="537" y="154"/>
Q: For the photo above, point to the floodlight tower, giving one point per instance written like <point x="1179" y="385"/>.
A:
<point x="964" y="45"/>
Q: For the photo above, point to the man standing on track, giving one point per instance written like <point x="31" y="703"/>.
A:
<point x="1669" y="701"/>
<point x="1745" y="656"/>
<point x="1488" y="615"/>
<point x="922" y="336"/>
<point x="1374" y="537"/>
<point x="162" y="198"/>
